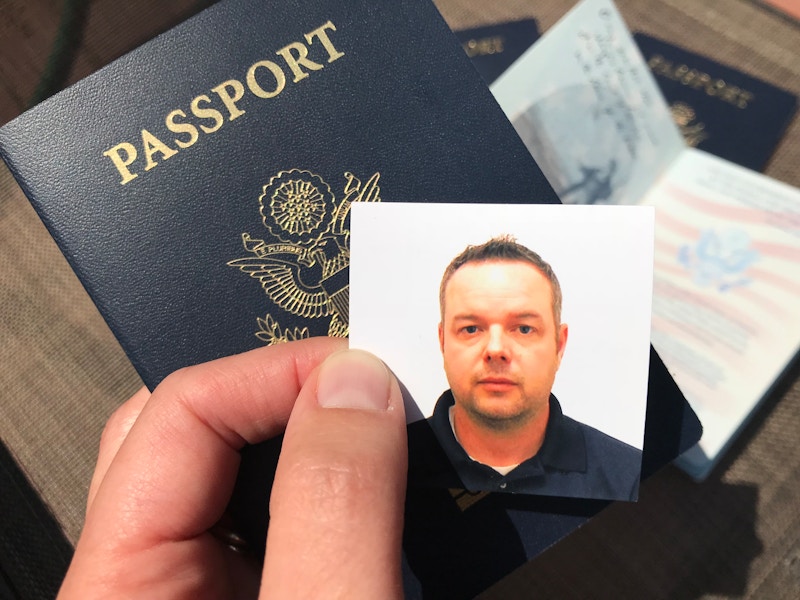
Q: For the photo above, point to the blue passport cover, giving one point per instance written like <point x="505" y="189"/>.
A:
<point x="199" y="187"/>
<point x="718" y="108"/>
<point x="234" y="119"/>
<point x="493" y="48"/>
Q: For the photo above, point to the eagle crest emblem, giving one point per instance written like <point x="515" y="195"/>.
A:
<point x="303" y="269"/>
<point x="684" y="115"/>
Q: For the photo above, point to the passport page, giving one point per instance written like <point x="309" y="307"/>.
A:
<point x="589" y="110"/>
<point x="726" y="291"/>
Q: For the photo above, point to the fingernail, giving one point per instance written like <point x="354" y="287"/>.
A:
<point x="353" y="379"/>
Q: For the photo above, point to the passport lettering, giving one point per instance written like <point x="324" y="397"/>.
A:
<point x="484" y="46"/>
<point x="264" y="79"/>
<point x="694" y="78"/>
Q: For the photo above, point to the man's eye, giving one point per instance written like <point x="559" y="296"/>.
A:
<point x="525" y="329"/>
<point x="470" y="329"/>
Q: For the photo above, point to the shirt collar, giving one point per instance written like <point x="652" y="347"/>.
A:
<point x="563" y="448"/>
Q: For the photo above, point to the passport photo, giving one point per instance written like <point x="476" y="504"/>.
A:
<point x="521" y="334"/>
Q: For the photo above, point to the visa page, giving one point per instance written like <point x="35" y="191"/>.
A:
<point x="589" y="110"/>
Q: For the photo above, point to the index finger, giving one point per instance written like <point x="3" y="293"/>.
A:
<point x="173" y="475"/>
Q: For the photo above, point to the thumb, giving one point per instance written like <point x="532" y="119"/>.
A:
<point x="336" y="511"/>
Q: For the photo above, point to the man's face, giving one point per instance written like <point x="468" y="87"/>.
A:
<point x="500" y="343"/>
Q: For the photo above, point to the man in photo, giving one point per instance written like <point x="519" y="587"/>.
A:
<point x="502" y="341"/>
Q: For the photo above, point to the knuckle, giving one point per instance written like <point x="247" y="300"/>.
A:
<point x="191" y="386"/>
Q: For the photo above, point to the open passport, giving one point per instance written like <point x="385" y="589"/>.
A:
<point x="727" y="239"/>
<point x="200" y="188"/>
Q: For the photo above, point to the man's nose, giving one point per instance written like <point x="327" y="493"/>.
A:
<point x="496" y="345"/>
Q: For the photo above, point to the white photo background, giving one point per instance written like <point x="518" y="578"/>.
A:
<point x="602" y="256"/>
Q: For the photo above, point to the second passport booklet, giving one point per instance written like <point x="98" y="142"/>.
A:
<point x="200" y="188"/>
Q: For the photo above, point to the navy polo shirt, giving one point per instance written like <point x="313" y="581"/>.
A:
<point x="575" y="460"/>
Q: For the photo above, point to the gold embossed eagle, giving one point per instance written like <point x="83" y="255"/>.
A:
<point x="303" y="268"/>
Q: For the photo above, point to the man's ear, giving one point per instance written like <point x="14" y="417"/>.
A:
<point x="561" y="340"/>
<point x="441" y="338"/>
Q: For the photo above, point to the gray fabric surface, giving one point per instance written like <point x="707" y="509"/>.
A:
<point x="62" y="373"/>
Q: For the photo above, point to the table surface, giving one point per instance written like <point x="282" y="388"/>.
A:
<point x="737" y="535"/>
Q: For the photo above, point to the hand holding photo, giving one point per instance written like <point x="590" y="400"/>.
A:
<point x="475" y="308"/>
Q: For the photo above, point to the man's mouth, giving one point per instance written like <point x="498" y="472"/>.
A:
<point x="496" y="384"/>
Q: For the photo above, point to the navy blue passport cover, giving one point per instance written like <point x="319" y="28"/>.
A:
<point x="384" y="105"/>
<point x="200" y="186"/>
<point x="718" y="108"/>
<point x="493" y="48"/>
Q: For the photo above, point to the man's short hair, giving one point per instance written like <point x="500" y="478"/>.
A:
<point x="503" y="248"/>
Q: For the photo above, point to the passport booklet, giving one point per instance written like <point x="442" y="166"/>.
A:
<point x="727" y="259"/>
<point x="717" y="108"/>
<point x="493" y="48"/>
<point x="200" y="187"/>
<point x="203" y="200"/>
